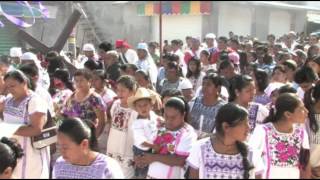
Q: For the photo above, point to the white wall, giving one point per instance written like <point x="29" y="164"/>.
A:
<point x="279" y="23"/>
<point x="236" y="19"/>
<point x="177" y="26"/>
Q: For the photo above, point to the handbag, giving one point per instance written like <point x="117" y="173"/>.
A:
<point x="48" y="135"/>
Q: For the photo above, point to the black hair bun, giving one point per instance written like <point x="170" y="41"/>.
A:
<point x="14" y="146"/>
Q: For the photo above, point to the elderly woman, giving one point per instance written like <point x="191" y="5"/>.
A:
<point x="26" y="108"/>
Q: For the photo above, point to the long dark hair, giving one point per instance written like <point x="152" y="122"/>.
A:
<point x="78" y="130"/>
<point x="262" y="79"/>
<point x="238" y="83"/>
<point x="19" y="76"/>
<point x="64" y="76"/>
<point x="233" y="119"/>
<point x="198" y="71"/>
<point x="286" y="102"/>
<point x="310" y="99"/>
<point x="10" y="152"/>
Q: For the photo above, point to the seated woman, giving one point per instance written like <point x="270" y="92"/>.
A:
<point x="78" y="144"/>
<point x="10" y="152"/>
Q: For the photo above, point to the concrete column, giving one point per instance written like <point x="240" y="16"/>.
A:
<point x="260" y="22"/>
<point x="210" y="22"/>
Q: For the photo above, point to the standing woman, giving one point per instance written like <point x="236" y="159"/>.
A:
<point x="242" y="92"/>
<point x="261" y="80"/>
<point x="282" y="142"/>
<point x="64" y="89"/>
<point x="207" y="105"/>
<point x="79" y="160"/>
<point x="25" y="107"/>
<point x="312" y="102"/>
<point x="120" y="139"/>
<point x="84" y="103"/>
<point x="100" y="87"/>
<point x="174" y="142"/>
<point x="194" y="74"/>
<point x="224" y="155"/>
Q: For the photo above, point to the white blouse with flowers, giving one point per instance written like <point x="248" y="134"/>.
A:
<point x="280" y="151"/>
<point x="175" y="143"/>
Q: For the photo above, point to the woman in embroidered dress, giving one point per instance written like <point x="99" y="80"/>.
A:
<point x="242" y="93"/>
<point x="312" y="102"/>
<point x="282" y="142"/>
<point x="120" y="139"/>
<point x="224" y="155"/>
<point x="78" y="145"/>
<point x="207" y="105"/>
<point x="174" y="142"/>
<point x="84" y="103"/>
<point x="23" y="106"/>
<point x="10" y="152"/>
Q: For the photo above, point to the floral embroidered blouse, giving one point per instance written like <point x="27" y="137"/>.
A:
<point x="280" y="151"/>
<point x="84" y="110"/>
<point x="175" y="143"/>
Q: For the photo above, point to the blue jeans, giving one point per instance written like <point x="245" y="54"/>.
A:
<point x="140" y="172"/>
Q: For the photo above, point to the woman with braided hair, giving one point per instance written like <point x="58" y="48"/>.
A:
<point x="224" y="155"/>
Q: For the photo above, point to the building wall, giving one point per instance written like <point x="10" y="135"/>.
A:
<point x="177" y="26"/>
<point x="234" y="18"/>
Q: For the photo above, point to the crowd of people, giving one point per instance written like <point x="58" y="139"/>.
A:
<point x="222" y="107"/>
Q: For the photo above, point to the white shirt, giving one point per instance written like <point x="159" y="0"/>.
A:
<point x="145" y="130"/>
<point x="44" y="94"/>
<point x="131" y="56"/>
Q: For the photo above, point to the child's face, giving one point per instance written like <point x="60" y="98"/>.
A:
<point x="97" y="83"/>
<point x="123" y="93"/>
<point x="143" y="107"/>
<point x="193" y="66"/>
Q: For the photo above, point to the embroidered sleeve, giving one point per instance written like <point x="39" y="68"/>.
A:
<point x="186" y="143"/>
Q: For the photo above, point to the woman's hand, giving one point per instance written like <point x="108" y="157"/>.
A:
<point x="144" y="160"/>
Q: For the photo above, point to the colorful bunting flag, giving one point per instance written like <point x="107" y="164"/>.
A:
<point x="175" y="8"/>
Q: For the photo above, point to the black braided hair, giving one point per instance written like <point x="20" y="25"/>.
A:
<point x="247" y="166"/>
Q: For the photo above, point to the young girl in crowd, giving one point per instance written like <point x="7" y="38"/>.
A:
<point x="120" y="139"/>
<point x="145" y="126"/>
<point x="261" y="80"/>
<point x="10" y="152"/>
<point x="242" y="93"/>
<point x="64" y="88"/>
<point x="175" y="140"/>
<point x="100" y="87"/>
<point x="205" y="61"/>
<point x="279" y="75"/>
<point x="224" y="155"/>
<point x="282" y="142"/>
<point x="194" y="74"/>
<point x="78" y="145"/>
<point x="312" y="102"/>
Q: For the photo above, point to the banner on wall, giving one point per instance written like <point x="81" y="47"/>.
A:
<point x="175" y="8"/>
